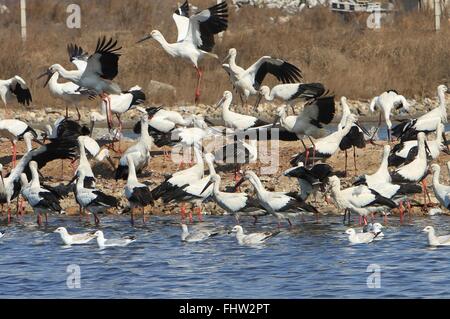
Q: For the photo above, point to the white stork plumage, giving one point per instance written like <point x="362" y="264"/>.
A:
<point x="441" y="191"/>
<point x="381" y="175"/>
<point x="385" y="103"/>
<point x="139" y="152"/>
<point x="248" y="81"/>
<point x="14" y="130"/>
<point x="195" y="35"/>
<point x="93" y="200"/>
<point x="101" y="69"/>
<point x="358" y="199"/>
<point x="281" y="205"/>
<point x="406" y="151"/>
<point x="42" y="200"/>
<point x="427" y="123"/>
<point x="15" y="88"/>
<point x="237" y="204"/>
<point x="291" y="92"/>
<point x="323" y="148"/>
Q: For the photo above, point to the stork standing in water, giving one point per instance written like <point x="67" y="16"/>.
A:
<point x="139" y="152"/>
<point x="14" y="130"/>
<point x="281" y="205"/>
<point x="138" y="194"/>
<point x="386" y="102"/>
<point x="237" y="204"/>
<point x="101" y="68"/>
<point x="15" y="87"/>
<point x="195" y="35"/>
<point x="291" y="92"/>
<point x="248" y="82"/>
<point x="427" y="123"/>
<point x="42" y="200"/>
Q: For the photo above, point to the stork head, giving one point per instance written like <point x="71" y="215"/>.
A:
<point x="155" y="34"/>
<point x="49" y="73"/>
<point x="442" y="89"/>
<point x="215" y="178"/>
<point x="231" y="54"/>
<point x="227" y="95"/>
<point x="210" y="157"/>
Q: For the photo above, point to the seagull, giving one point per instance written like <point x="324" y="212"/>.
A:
<point x="375" y="229"/>
<point x="74" y="239"/>
<point x="237" y="204"/>
<point x="441" y="191"/>
<point x="14" y="130"/>
<point x="324" y="147"/>
<point x="359" y="238"/>
<point x="309" y="179"/>
<point x="248" y="82"/>
<point x="282" y="205"/>
<point x="195" y="35"/>
<point x="434" y="240"/>
<point x="358" y="199"/>
<point x="139" y="152"/>
<point x="138" y="194"/>
<point x="197" y="236"/>
<point x="42" y="200"/>
<point x="2" y="235"/>
<point x="253" y="238"/>
<point x="101" y="68"/>
<point x="237" y="121"/>
<point x="291" y="92"/>
<point x="427" y="123"/>
<point x="93" y="200"/>
<point x="385" y="102"/>
<point x="406" y="151"/>
<point x="118" y="242"/>
<point x="15" y="87"/>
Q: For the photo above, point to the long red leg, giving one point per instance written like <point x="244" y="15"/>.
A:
<point x="199" y="214"/>
<point x="199" y="79"/>
<point x="14" y="154"/>
<point x="401" y="210"/>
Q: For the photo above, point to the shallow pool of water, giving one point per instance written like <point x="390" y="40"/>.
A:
<point x="309" y="260"/>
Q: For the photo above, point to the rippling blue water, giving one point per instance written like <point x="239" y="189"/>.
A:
<point x="309" y="260"/>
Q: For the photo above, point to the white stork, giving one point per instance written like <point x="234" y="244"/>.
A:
<point x="427" y="123"/>
<point x="195" y="192"/>
<point x="358" y="199"/>
<point x="14" y="130"/>
<point x="139" y="152"/>
<point x="237" y="121"/>
<point x="93" y="200"/>
<point x="282" y="205"/>
<point x="120" y="104"/>
<point x="253" y="238"/>
<point x="406" y="151"/>
<point x="195" y="35"/>
<point x="441" y="191"/>
<point x="385" y="103"/>
<point x="42" y="200"/>
<point x="381" y="175"/>
<point x="248" y="82"/>
<point x="325" y="147"/>
<point x="291" y="92"/>
<point x="237" y="204"/>
<point x="15" y="87"/>
<point x="138" y="194"/>
<point x="101" y="68"/>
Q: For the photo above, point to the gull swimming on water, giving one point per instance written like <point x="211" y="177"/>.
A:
<point x="253" y="238"/>
<point x="434" y="240"/>
<point x="374" y="228"/>
<point x="74" y="239"/>
<point x="197" y="235"/>
<point x="2" y="234"/>
<point x="359" y="238"/>
<point x="118" y="242"/>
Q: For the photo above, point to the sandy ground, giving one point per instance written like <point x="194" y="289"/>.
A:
<point x="367" y="160"/>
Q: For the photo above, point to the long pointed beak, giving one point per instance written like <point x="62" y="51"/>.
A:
<point x="365" y="131"/>
<point x="147" y="37"/>
<point x="239" y="183"/>
<point x="47" y="73"/>
<point x="110" y="161"/>
<point x="91" y="128"/>
<point x="427" y="147"/>
<point x="226" y="58"/>
<point x="220" y="102"/>
<point x="38" y="142"/>
<point x="258" y="100"/>
<point x="206" y="186"/>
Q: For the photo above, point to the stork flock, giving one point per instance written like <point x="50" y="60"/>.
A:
<point x="378" y="192"/>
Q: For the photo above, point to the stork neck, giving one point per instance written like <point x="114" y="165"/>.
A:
<point x="34" y="178"/>
<point x="28" y="144"/>
<point x="198" y="156"/>
<point x="131" y="172"/>
<point x="441" y="97"/>
<point x="165" y="45"/>
<point x="384" y="164"/>
<point x="422" y="152"/>
<point x="436" y="174"/>
<point x="256" y="182"/>
<point x="53" y="82"/>
<point x="212" y="170"/>
<point x="68" y="75"/>
<point x="233" y="66"/>
<point x="83" y="157"/>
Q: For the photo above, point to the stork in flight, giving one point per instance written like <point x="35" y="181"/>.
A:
<point x="248" y="82"/>
<point x="15" y="87"/>
<point x="101" y="68"/>
<point x="195" y="35"/>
